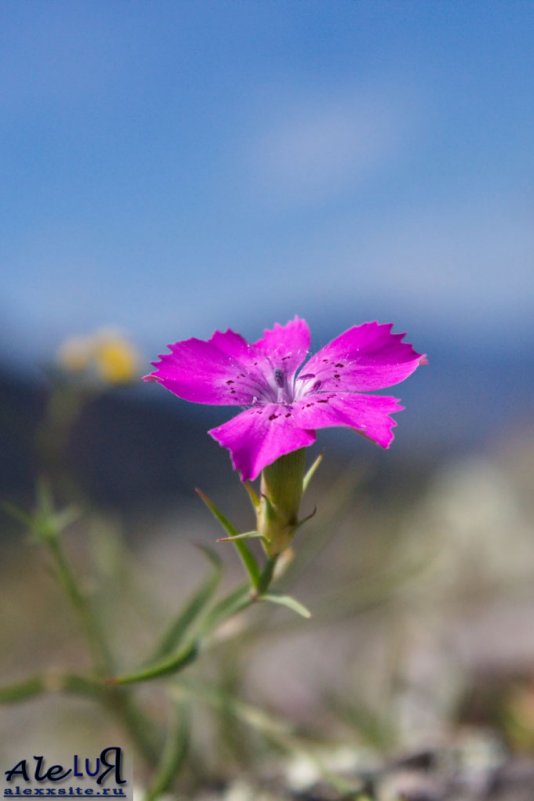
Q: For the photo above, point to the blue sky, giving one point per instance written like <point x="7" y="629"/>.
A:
<point x="170" y="167"/>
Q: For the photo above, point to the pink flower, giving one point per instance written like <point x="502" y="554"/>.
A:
<point x="287" y="404"/>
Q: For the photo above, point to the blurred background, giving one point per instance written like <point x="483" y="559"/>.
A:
<point x="172" y="168"/>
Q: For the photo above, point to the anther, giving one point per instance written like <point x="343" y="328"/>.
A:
<point x="279" y="377"/>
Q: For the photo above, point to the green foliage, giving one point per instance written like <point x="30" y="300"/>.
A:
<point x="45" y="523"/>
<point x="174" y="752"/>
<point x="193" y="611"/>
<point x="249" y="562"/>
<point x="165" y="667"/>
<point x="288" y="602"/>
<point x="194" y="630"/>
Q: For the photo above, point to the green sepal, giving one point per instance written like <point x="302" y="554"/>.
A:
<point x="275" y="532"/>
<point x="165" y="667"/>
<point x="305" y="519"/>
<point x="267" y="509"/>
<point x="249" y="562"/>
<point x="288" y="601"/>
<point x="192" y="612"/>
<point x="280" y="492"/>
<point x="282" y="481"/>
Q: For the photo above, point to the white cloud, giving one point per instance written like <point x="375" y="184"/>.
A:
<point x="312" y="148"/>
<point x="466" y="264"/>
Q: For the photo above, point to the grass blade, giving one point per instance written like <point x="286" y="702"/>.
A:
<point x="246" y="535"/>
<point x="311" y="472"/>
<point x="174" y="754"/>
<point x="227" y="607"/>
<point x="165" y="667"/>
<point x="23" y="690"/>
<point x="192" y="612"/>
<point x="287" y="601"/>
<point x="246" y="556"/>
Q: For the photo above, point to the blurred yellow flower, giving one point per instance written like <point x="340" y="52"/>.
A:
<point x="116" y="359"/>
<point x="106" y="353"/>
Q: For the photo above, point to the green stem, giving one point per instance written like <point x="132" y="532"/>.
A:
<point x="135" y="722"/>
<point x="13" y="693"/>
<point x="97" y="642"/>
<point x="50" y="682"/>
<point x="236" y="601"/>
<point x="115" y="698"/>
<point x="239" y="599"/>
<point x="267" y="574"/>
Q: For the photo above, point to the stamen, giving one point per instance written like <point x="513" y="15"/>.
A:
<point x="279" y="377"/>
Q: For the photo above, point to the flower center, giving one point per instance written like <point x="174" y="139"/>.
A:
<point x="283" y="389"/>
<point x="269" y="384"/>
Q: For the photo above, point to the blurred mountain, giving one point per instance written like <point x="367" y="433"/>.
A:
<point x="126" y="446"/>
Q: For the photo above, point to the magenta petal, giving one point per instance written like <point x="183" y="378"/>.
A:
<point x="259" y="436"/>
<point x="232" y="344"/>
<point x="207" y="372"/>
<point x="367" y="414"/>
<point x="285" y="346"/>
<point x="365" y="357"/>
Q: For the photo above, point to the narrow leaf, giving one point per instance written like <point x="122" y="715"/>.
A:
<point x="45" y="503"/>
<point x="192" y="612"/>
<point x="249" y="562"/>
<point x="167" y="666"/>
<point x="79" y="685"/>
<point x="174" y="754"/>
<point x="17" y="514"/>
<point x="65" y="517"/>
<point x="246" y="535"/>
<point x="311" y="472"/>
<point x="251" y="492"/>
<point x="23" y="690"/>
<point x="288" y="601"/>
<point x="251" y="715"/>
<point x="227" y="607"/>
